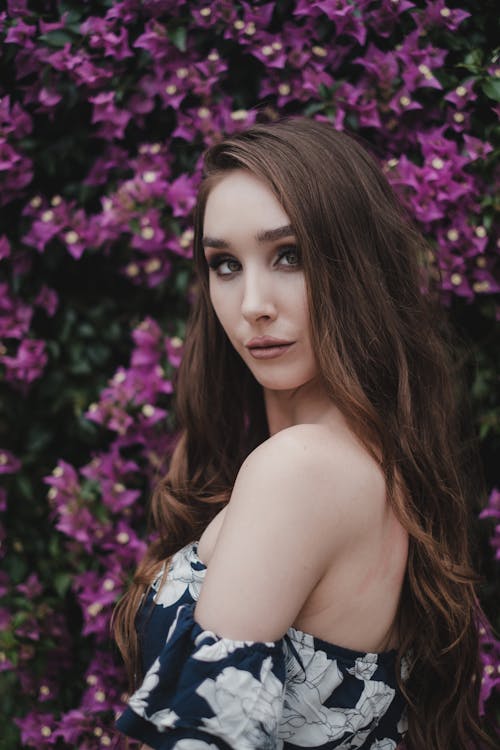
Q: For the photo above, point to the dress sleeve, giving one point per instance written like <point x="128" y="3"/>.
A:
<point x="205" y="692"/>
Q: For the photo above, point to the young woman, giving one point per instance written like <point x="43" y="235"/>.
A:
<point x="310" y="582"/>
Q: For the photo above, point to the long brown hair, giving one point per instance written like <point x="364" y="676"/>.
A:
<point x="385" y="365"/>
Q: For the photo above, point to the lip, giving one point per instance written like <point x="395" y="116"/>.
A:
<point x="268" y="347"/>
<point x="261" y="341"/>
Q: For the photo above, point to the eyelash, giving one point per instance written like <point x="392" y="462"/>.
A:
<point x="217" y="260"/>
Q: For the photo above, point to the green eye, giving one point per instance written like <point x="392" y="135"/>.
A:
<point x="290" y="252"/>
<point x="218" y="261"/>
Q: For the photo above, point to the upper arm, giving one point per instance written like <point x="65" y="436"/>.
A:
<point x="293" y="507"/>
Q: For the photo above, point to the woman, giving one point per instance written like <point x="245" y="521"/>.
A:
<point x="310" y="582"/>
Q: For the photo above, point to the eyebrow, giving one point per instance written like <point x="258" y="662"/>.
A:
<point x="267" y="235"/>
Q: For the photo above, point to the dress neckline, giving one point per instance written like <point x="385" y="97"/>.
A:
<point x="300" y="636"/>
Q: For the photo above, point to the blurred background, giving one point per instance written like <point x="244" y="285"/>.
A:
<point x="105" y="110"/>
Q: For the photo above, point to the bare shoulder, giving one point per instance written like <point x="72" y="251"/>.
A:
<point x="299" y="502"/>
<point x="329" y="468"/>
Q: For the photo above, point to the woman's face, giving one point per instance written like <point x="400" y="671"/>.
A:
<point x="257" y="284"/>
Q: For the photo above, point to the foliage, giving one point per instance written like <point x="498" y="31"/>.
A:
<point x="105" y="108"/>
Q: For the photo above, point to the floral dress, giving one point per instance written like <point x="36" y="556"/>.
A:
<point x="204" y="692"/>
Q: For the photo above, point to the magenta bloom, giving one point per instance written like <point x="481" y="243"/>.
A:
<point x="9" y="464"/>
<point x="27" y="364"/>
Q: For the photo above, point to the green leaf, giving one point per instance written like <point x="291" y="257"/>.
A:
<point x="37" y="440"/>
<point x="178" y="37"/>
<point x="474" y="57"/>
<point x="24" y="487"/>
<point x="80" y="367"/>
<point x="18" y="570"/>
<point x="491" y="87"/>
<point x="311" y="109"/>
<point x="56" y="38"/>
<point x="181" y="282"/>
<point x="86" y="330"/>
<point x="62" y="582"/>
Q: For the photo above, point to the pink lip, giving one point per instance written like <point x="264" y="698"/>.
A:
<point x="268" y="347"/>
<point x="261" y="341"/>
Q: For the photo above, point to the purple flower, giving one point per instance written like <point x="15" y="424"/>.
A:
<point x="403" y="102"/>
<point x="490" y="658"/>
<point x="151" y="236"/>
<point x="9" y="464"/>
<point x="5" y="618"/>
<point x="77" y="523"/>
<point x="71" y="506"/>
<point x="28" y="629"/>
<point x="96" y="594"/>
<point x="155" y="41"/>
<point x="113" y="120"/>
<point x="181" y="195"/>
<point x="346" y="17"/>
<point x="78" y="66"/>
<point x="36" y="729"/>
<point x="17" y="7"/>
<point x="382" y="66"/>
<point x="493" y="511"/>
<point x="48" y="98"/>
<point x="4" y="247"/>
<point x="73" y="725"/>
<point x="385" y="15"/>
<point x="437" y="13"/>
<point x="271" y="51"/>
<point x="31" y="587"/>
<point x="462" y="95"/>
<point x="113" y="158"/>
<point x="47" y="299"/>
<point x="100" y="36"/>
<point x="27" y="364"/>
<point x="14" y="119"/>
<point x="123" y="541"/>
<point x="43" y="230"/>
<point x="21" y="34"/>
<point x="476" y="148"/>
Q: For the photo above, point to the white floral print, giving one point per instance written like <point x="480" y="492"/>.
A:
<point x="194" y="745"/>
<point x="297" y="692"/>
<point x="181" y="576"/>
<point x="364" y="667"/>
<point x="247" y="710"/>
<point x="164" y="719"/>
<point x="138" y="702"/>
<point x="220" y="649"/>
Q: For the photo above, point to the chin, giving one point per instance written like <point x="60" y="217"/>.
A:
<point x="277" y="383"/>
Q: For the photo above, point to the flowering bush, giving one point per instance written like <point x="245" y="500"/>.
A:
<point x="105" y="108"/>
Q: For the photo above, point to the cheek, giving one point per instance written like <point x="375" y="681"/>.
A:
<point x="301" y="302"/>
<point x="222" y="307"/>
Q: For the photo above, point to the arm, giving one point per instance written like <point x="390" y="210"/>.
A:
<point x="295" y="505"/>
<point x="220" y="678"/>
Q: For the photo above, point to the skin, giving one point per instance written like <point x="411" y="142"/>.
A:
<point x="307" y="538"/>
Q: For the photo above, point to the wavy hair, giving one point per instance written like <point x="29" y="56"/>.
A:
<point x="378" y="337"/>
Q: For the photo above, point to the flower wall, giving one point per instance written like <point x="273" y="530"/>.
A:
<point x="105" y="109"/>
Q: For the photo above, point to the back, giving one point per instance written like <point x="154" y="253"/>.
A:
<point x="355" y="601"/>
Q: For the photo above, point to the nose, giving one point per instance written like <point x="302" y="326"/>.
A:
<point x="258" y="300"/>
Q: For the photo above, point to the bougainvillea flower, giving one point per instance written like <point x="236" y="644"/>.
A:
<point x="47" y="299"/>
<point x="27" y="364"/>
<point x="9" y="464"/>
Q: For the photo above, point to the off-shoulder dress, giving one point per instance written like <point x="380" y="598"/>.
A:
<point x="205" y="692"/>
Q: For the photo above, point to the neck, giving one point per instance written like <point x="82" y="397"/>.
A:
<point x="308" y="404"/>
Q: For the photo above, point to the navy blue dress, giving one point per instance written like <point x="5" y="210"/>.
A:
<point x="204" y="692"/>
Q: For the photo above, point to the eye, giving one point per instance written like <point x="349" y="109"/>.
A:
<point x="218" y="262"/>
<point x="290" y="252"/>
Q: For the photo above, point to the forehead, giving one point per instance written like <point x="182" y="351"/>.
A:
<point x="239" y="201"/>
